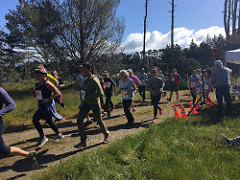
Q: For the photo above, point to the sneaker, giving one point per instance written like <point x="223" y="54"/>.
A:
<point x="106" y="136"/>
<point x="227" y="141"/>
<point x="88" y="122"/>
<point x="43" y="141"/>
<point x="33" y="160"/>
<point x="169" y="99"/>
<point x="81" y="144"/>
<point x="133" y="110"/>
<point x="59" y="137"/>
<point x="57" y="120"/>
<point x="160" y="110"/>
<point x="154" y="120"/>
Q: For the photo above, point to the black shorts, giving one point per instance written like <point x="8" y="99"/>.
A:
<point x="173" y="87"/>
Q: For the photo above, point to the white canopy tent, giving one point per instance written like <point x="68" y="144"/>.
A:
<point x="232" y="56"/>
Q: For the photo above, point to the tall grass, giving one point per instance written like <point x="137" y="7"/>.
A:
<point x="174" y="149"/>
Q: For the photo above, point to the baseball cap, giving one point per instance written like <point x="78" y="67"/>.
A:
<point x="41" y="69"/>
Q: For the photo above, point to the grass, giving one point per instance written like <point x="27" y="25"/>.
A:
<point x="174" y="149"/>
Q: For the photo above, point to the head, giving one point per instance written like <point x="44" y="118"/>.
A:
<point x="154" y="72"/>
<point x="198" y="79"/>
<point x="88" y="69"/>
<point x="55" y="74"/>
<point x="41" y="73"/>
<point x="218" y="64"/>
<point x="130" y="72"/>
<point x="105" y="74"/>
<point x="194" y="73"/>
<point x="206" y="77"/>
<point x="123" y="74"/>
<point x="199" y="71"/>
<point x="142" y="70"/>
<point x="174" y="71"/>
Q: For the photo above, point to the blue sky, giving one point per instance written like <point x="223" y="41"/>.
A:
<point x="194" y="19"/>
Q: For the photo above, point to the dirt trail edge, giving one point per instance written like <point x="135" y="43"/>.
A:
<point x="53" y="153"/>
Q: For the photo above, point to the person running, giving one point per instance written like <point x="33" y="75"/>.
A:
<point x="155" y="86"/>
<point x="136" y="81"/>
<point x="174" y="83"/>
<point x="127" y="87"/>
<point x="91" y="93"/>
<point x="143" y="77"/>
<point x="110" y="87"/>
<point x="6" y="100"/>
<point x="60" y="86"/>
<point x="191" y="85"/>
<point x="45" y="92"/>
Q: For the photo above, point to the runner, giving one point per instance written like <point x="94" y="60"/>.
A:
<point x="127" y="86"/>
<point x="191" y="84"/>
<point x="110" y="87"/>
<point x="45" y="92"/>
<point x="174" y="83"/>
<point x="143" y="77"/>
<point x="136" y="82"/>
<point x="60" y="86"/>
<point x="6" y="100"/>
<point x="155" y="85"/>
<point x="90" y="93"/>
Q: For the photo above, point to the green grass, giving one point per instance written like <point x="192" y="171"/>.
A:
<point x="174" y="149"/>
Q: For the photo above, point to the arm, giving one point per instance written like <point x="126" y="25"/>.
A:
<point x="54" y="89"/>
<point x="10" y="105"/>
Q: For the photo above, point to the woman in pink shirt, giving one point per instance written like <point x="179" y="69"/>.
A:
<point x="136" y="82"/>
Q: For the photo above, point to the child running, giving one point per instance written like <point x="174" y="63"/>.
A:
<point x="155" y="86"/>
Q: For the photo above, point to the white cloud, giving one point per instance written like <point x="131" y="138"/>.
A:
<point x="156" y="40"/>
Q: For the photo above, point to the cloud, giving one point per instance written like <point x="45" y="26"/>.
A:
<point x="156" y="40"/>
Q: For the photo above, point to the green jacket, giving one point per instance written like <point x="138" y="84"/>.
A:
<point x="93" y="90"/>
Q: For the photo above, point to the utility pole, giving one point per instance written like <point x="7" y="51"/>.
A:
<point x="144" y="34"/>
<point x="172" y="32"/>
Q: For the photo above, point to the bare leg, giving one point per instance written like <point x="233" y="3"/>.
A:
<point x="18" y="151"/>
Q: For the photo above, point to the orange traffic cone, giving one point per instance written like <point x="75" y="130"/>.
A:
<point x="183" y="113"/>
<point x="160" y="110"/>
<point x="176" y="113"/>
<point x="209" y="101"/>
<point x="191" y="107"/>
<point x="197" y="106"/>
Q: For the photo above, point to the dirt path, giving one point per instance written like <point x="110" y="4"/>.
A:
<point x="54" y="153"/>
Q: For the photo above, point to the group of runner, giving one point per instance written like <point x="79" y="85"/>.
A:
<point x="92" y="88"/>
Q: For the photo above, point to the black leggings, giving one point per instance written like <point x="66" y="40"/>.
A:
<point x="4" y="150"/>
<point x="109" y="101"/>
<point x="155" y="101"/>
<point x="42" y="113"/>
<point x="126" y="106"/>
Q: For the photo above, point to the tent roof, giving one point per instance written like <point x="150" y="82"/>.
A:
<point x="232" y="56"/>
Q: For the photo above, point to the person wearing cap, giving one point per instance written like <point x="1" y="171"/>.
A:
<point x="155" y="86"/>
<point x="174" y="83"/>
<point x="110" y="87"/>
<point x="45" y="92"/>
<point x="143" y="77"/>
<point x="50" y="77"/>
<point x="90" y="95"/>
<point x="127" y="87"/>
<point x="221" y="79"/>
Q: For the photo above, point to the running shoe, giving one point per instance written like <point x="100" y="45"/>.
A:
<point x="59" y="137"/>
<point x="169" y="99"/>
<point x="106" y="136"/>
<point x="43" y="141"/>
<point x="33" y="160"/>
<point x="227" y="141"/>
<point x="57" y="120"/>
<point x="154" y="120"/>
<point x="81" y="144"/>
<point x="160" y="110"/>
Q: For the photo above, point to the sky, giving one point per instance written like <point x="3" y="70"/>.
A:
<point x="194" y="19"/>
